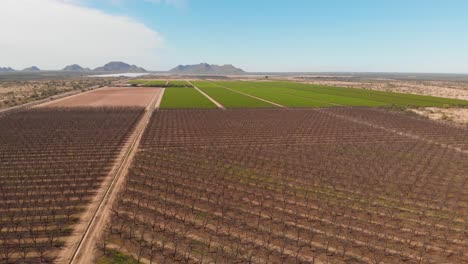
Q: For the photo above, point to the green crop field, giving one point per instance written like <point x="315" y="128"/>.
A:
<point x="155" y="83"/>
<point x="230" y="99"/>
<point x="381" y="97"/>
<point x="178" y="84"/>
<point x="188" y="98"/>
<point x="294" y="98"/>
<point x="238" y="94"/>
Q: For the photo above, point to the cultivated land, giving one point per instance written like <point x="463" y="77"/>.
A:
<point x="53" y="162"/>
<point x="334" y="178"/>
<point x="185" y="98"/>
<point x="173" y="83"/>
<point x="160" y="83"/>
<point x="153" y="83"/>
<point x="447" y="86"/>
<point x="338" y="185"/>
<point x="336" y="95"/>
<point x="273" y="94"/>
<point x="230" y="99"/>
<point x="58" y="164"/>
<point x="108" y="96"/>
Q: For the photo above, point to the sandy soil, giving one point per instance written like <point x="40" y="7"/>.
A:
<point x="19" y="92"/>
<point x="108" y="96"/>
<point x="456" y="115"/>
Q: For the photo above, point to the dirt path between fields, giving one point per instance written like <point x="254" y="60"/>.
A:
<point x="220" y="106"/>
<point x="81" y="247"/>
<point x="158" y="103"/>
<point x="258" y="98"/>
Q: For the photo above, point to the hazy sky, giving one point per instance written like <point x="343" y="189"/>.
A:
<point x="257" y="35"/>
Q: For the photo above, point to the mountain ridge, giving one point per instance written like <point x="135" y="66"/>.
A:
<point x="32" y="69"/>
<point x="120" y="67"/>
<point x="7" y="69"/>
<point x="205" y="68"/>
<point x="75" y="68"/>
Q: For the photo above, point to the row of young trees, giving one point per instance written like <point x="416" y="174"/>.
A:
<point x="52" y="161"/>
<point x="243" y="197"/>
<point x="426" y="129"/>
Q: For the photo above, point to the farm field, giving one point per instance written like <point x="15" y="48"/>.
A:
<point x="108" y="97"/>
<point x="174" y="83"/>
<point x="187" y="98"/>
<point x="377" y="96"/>
<point x="230" y="99"/>
<point x="243" y="94"/>
<point x="57" y="161"/>
<point x="153" y="83"/>
<point x="52" y="162"/>
<point x="317" y="182"/>
<point x="336" y="95"/>
<point x="337" y="185"/>
<point x="287" y="97"/>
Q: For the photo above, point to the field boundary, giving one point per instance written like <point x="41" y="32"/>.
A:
<point x="84" y="251"/>
<point x="255" y="97"/>
<point x="220" y="106"/>
<point x="159" y="101"/>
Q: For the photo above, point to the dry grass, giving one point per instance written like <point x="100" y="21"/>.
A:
<point x="13" y="93"/>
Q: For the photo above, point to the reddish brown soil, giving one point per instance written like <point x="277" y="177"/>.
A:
<point x="109" y="96"/>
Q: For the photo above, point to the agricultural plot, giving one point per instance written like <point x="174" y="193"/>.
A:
<point x="380" y="97"/>
<point x="52" y="162"/>
<point x="185" y="99"/>
<point x="326" y="100"/>
<point x="179" y="84"/>
<point x="155" y="83"/>
<point x="108" y="97"/>
<point x="276" y="95"/>
<point x="241" y="94"/>
<point x="336" y="185"/>
<point x="230" y="99"/>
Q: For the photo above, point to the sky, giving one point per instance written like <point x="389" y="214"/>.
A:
<point x="256" y="35"/>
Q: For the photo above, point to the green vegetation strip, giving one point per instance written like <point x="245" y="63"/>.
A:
<point x="274" y="95"/>
<point x="386" y="98"/>
<point x="155" y="83"/>
<point x="185" y="98"/>
<point x="230" y="99"/>
<point x="178" y="84"/>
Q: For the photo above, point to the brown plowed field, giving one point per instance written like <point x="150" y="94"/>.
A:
<point x="108" y="96"/>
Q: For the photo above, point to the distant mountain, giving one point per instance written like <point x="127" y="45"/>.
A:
<point x="119" y="67"/>
<point x="75" y="68"/>
<point x="7" y="69"/>
<point x="205" y="68"/>
<point x="32" y="69"/>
